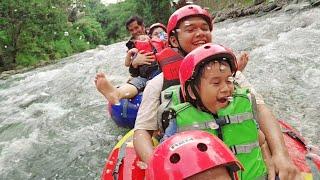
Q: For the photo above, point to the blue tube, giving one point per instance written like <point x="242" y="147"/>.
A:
<point x="125" y="112"/>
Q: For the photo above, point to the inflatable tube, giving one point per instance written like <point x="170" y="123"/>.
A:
<point x="123" y="162"/>
<point x="125" y="112"/>
<point x="298" y="151"/>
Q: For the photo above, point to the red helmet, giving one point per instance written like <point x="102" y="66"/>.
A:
<point x="156" y="25"/>
<point x="172" y="158"/>
<point x="200" y="55"/>
<point x="186" y="11"/>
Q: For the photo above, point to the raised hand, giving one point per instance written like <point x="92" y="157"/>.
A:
<point x="143" y="58"/>
<point x="242" y="60"/>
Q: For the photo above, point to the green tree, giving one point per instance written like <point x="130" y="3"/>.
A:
<point x="154" y="11"/>
<point x="43" y="30"/>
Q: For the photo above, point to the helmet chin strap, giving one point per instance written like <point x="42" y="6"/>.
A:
<point x="183" y="52"/>
<point x="198" y="102"/>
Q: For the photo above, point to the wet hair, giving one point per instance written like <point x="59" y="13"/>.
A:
<point x="134" y="18"/>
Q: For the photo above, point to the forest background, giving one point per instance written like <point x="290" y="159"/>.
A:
<point x="38" y="32"/>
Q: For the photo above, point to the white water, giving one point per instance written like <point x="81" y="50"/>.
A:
<point x="54" y="125"/>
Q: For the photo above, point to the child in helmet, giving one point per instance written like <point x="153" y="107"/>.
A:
<point x="155" y="41"/>
<point x="188" y="28"/>
<point x="212" y="103"/>
<point x="193" y="155"/>
<point x="158" y="30"/>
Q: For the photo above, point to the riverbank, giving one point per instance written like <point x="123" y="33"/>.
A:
<point x="6" y="74"/>
<point x="262" y="7"/>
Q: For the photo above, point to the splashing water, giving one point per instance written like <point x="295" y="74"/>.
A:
<point x="54" y="124"/>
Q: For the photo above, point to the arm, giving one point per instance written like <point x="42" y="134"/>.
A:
<point x="127" y="60"/>
<point x="143" y="58"/>
<point x="142" y="141"/>
<point x="242" y="61"/>
<point x="129" y="56"/>
<point x="284" y="167"/>
<point x="146" y="121"/>
<point x="266" y="155"/>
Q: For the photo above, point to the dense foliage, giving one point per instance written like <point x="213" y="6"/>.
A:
<point x="36" y="31"/>
<point x="45" y="30"/>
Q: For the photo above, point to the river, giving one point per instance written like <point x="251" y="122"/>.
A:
<point x="54" y="125"/>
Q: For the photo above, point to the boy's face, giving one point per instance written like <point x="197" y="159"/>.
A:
<point x="192" y="33"/>
<point x="135" y="29"/>
<point x="216" y="85"/>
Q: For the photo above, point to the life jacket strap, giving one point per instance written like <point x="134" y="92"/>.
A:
<point x="219" y="122"/>
<point x="170" y="60"/>
<point x="199" y="126"/>
<point x="163" y="110"/>
<point x="125" y="108"/>
<point x="254" y="106"/>
<point x="244" y="148"/>
<point x="239" y="118"/>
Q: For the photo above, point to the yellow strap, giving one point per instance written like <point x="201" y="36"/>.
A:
<point x="307" y="176"/>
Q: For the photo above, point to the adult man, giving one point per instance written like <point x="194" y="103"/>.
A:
<point x="136" y="28"/>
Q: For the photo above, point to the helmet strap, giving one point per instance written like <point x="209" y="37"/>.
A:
<point x="183" y="52"/>
<point x="231" y="173"/>
<point x="197" y="101"/>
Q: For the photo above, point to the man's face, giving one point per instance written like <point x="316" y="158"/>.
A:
<point x="135" y="29"/>
<point x="192" y="33"/>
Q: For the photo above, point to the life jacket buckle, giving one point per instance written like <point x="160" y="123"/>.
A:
<point x="221" y="121"/>
<point x="168" y="95"/>
<point x="213" y="125"/>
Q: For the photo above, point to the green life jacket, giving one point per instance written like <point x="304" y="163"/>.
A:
<point x="234" y="124"/>
<point x="169" y="97"/>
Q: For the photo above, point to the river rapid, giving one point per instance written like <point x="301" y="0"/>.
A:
<point x="54" y="124"/>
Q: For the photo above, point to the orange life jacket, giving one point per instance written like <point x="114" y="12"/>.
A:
<point x="169" y="61"/>
<point x="152" y="45"/>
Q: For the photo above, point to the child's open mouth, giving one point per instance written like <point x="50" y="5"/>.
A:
<point x="225" y="99"/>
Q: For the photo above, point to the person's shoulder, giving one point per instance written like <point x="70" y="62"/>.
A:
<point x="155" y="84"/>
<point x="157" y="79"/>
